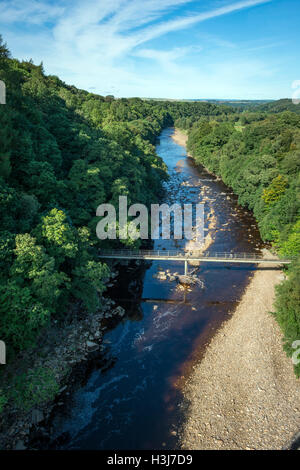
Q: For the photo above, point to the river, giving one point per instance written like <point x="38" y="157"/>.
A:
<point x="136" y="403"/>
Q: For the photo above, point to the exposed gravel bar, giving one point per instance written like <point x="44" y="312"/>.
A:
<point x="244" y="393"/>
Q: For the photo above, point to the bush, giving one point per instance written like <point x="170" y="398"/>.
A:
<point x="34" y="388"/>
<point x="3" y="401"/>
<point x="287" y="309"/>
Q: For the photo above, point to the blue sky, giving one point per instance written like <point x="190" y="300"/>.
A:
<point x="161" y="48"/>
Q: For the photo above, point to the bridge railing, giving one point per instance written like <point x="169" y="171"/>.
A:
<point x="179" y="254"/>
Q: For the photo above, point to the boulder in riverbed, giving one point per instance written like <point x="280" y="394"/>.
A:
<point x="91" y="345"/>
<point x="36" y="416"/>
<point x="119" y="311"/>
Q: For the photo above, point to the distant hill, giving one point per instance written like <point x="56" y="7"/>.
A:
<point x="270" y="106"/>
<point x="243" y="104"/>
<point x="279" y="106"/>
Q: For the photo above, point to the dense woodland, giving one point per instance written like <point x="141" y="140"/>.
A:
<point x="64" y="151"/>
<point x="257" y="153"/>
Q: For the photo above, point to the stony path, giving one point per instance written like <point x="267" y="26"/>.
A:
<point x="244" y="394"/>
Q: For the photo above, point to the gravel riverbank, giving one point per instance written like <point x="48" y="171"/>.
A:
<point x="180" y="137"/>
<point x="244" y="394"/>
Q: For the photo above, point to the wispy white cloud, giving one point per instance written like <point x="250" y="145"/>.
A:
<point x="117" y="26"/>
<point x="266" y="45"/>
<point x="167" y="55"/>
<point x="183" y="23"/>
<point x="32" y="11"/>
<point x="95" y="44"/>
<point x="109" y="31"/>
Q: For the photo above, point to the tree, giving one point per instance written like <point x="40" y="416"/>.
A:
<point x="88" y="284"/>
<point x="275" y="190"/>
<point x="287" y="309"/>
<point x="57" y="235"/>
<point x="34" y="268"/>
<point x="4" y="51"/>
<point x="21" y="316"/>
<point x="291" y="246"/>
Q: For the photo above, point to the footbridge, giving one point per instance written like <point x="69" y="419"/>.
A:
<point x="182" y="256"/>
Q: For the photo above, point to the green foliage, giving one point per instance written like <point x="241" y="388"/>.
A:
<point x="287" y="309"/>
<point x="64" y="151"/>
<point x="3" y="401"/>
<point x="5" y="139"/>
<point x="275" y="190"/>
<point x="7" y="244"/>
<point x="22" y="316"/>
<point x="4" y="52"/>
<point x="33" y="267"/>
<point x="34" y="388"/>
<point x="57" y="235"/>
<point x="291" y="245"/>
<point x="88" y="283"/>
<point x="279" y="106"/>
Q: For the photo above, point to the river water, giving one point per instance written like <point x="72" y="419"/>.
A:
<point x="136" y="403"/>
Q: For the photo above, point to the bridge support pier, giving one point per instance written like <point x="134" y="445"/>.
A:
<point x="185" y="268"/>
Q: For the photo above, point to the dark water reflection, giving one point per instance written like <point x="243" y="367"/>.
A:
<point x="136" y="404"/>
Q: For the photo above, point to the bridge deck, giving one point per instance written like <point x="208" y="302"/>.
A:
<point x="210" y="257"/>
